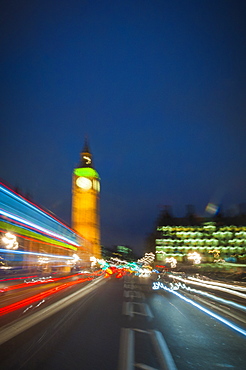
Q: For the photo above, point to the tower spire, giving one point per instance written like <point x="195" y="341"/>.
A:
<point x="86" y="146"/>
<point x="85" y="155"/>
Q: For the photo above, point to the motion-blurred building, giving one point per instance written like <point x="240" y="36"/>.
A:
<point x="220" y="238"/>
<point x="85" y="202"/>
<point x="34" y="239"/>
<point x="121" y="252"/>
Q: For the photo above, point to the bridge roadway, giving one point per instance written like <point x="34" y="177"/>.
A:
<point x="119" y="324"/>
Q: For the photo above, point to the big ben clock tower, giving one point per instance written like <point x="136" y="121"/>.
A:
<point x="85" y="202"/>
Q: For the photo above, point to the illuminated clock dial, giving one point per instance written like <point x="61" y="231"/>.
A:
<point x="96" y="185"/>
<point x="84" y="183"/>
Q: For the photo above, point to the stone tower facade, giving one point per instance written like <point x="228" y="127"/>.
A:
<point x="85" y="202"/>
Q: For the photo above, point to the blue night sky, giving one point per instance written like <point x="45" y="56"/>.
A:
<point x="159" y="88"/>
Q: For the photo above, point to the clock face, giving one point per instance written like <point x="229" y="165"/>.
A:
<point x="84" y="183"/>
<point x="96" y="185"/>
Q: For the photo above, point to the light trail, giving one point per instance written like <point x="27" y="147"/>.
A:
<point x="42" y="280"/>
<point x="229" y="286"/>
<point x="17" y="327"/>
<point x="201" y="308"/>
<point x="37" y="282"/>
<point x="40" y="296"/>
<point x="210" y="286"/>
<point x="31" y="233"/>
<point x="38" y="254"/>
<point x="28" y="203"/>
<point x="213" y="297"/>
<point x="36" y="227"/>
<point x="19" y="278"/>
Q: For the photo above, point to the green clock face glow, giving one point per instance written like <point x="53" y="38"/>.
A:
<point x="84" y="183"/>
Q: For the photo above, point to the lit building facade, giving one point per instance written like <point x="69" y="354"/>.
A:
<point x="210" y="240"/>
<point x="85" y="202"/>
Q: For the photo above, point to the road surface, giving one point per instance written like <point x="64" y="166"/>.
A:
<point x="122" y="324"/>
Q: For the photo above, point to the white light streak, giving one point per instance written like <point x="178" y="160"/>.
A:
<point x="236" y="287"/>
<point x="25" y="222"/>
<point x="210" y="286"/>
<point x="20" y="199"/>
<point x="38" y="254"/>
<point x="40" y="303"/>
<point x="195" y="257"/>
<point x="213" y="297"/>
<point x="208" y="312"/>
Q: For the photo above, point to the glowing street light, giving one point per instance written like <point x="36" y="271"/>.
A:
<point x="195" y="257"/>
<point x="172" y="261"/>
<point x="10" y="241"/>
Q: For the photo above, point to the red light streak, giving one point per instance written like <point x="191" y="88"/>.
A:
<point x="24" y="302"/>
<point x="23" y="277"/>
<point x="38" y="282"/>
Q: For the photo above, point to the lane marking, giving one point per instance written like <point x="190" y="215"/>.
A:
<point x="127" y="346"/>
<point x="145" y="367"/>
<point x="130" y="309"/>
<point x="130" y="286"/>
<point x="162" y="350"/>
<point x="148" y="311"/>
<point x="126" y="357"/>
<point x="141" y="331"/>
<point x="133" y="294"/>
